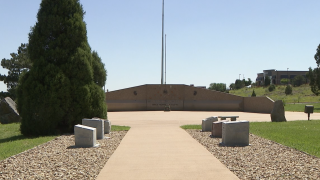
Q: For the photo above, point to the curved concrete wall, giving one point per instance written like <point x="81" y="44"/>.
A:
<point x="182" y="97"/>
<point x="258" y="104"/>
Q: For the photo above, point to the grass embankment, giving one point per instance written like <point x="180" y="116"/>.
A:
<point x="301" y="135"/>
<point x="300" y="96"/>
<point x="13" y="142"/>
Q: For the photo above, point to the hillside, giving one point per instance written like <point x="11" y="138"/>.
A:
<point x="300" y="94"/>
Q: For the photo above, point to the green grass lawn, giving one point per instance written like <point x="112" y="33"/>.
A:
<point x="191" y="126"/>
<point x="301" y="135"/>
<point x="119" y="128"/>
<point x="300" y="107"/>
<point x="13" y="142"/>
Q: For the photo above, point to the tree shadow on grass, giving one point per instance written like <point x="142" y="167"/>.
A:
<point x="15" y="138"/>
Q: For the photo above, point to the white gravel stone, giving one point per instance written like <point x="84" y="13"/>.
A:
<point x="60" y="159"/>
<point x="264" y="159"/>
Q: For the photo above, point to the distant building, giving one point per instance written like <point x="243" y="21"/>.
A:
<point x="276" y="76"/>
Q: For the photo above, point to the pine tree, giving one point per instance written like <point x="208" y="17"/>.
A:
<point x="253" y="94"/>
<point x="18" y="63"/>
<point x="59" y="90"/>
<point x="288" y="90"/>
<point x="99" y="72"/>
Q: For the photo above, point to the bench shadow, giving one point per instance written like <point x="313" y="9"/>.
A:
<point x="73" y="147"/>
<point x="79" y="147"/>
<point x="216" y="137"/>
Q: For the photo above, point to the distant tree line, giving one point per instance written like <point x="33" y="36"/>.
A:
<point x="240" y="84"/>
<point x="218" y="87"/>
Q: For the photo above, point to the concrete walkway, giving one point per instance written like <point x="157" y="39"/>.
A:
<point x="157" y="148"/>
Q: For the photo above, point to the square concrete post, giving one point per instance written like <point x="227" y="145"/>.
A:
<point x="235" y="133"/>
<point x="107" y="126"/>
<point x="96" y="123"/>
<point x="217" y="128"/>
<point x="207" y="123"/>
<point x="85" y="136"/>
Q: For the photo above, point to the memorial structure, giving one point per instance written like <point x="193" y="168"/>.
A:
<point x="154" y="97"/>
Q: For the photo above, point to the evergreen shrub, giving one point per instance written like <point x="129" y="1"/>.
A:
<point x="272" y="87"/>
<point x="253" y="94"/>
<point x="64" y="84"/>
<point x="288" y="90"/>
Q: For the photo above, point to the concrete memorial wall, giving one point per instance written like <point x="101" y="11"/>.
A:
<point x="180" y="97"/>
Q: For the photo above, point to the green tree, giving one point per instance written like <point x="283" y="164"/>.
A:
<point x="218" y="87"/>
<point x="247" y="83"/>
<point x="99" y="72"/>
<point x="232" y="86"/>
<point x="317" y="56"/>
<point x="267" y="81"/>
<point x="272" y="87"/>
<point x="239" y="84"/>
<point x="314" y="78"/>
<point x="253" y="94"/>
<point x="298" y="80"/>
<point x="288" y="90"/>
<point x="284" y="81"/>
<point x="63" y="85"/>
<point x="314" y="75"/>
<point x="18" y="63"/>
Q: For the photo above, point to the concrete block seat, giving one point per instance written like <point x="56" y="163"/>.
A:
<point x="95" y="123"/>
<point x="107" y="126"/>
<point x="207" y="123"/>
<point x="217" y="128"/>
<point x="235" y="133"/>
<point x="233" y="118"/>
<point x="85" y="136"/>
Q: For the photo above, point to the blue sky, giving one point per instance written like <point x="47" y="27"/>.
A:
<point x="208" y="41"/>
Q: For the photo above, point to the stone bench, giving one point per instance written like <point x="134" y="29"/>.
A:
<point x="235" y="133"/>
<point x="233" y="118"/>
<point x="107" y="126"/>
<point x="217" y="128"/>
<point x="85" y="136"/>
<point x="207" y="123"/>
<point x="95" y="123"/>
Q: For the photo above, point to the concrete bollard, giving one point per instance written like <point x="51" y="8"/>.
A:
<point x="85" y="136"/>
<point x="96" y="123"/>
<point x="217" y="128"/>
<point x="107" y="126"/>
<point x="207" y="123"/>
<point x="235" y="133"/>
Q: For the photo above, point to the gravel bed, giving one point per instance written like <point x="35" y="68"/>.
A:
<point x="59" y="159"/>
<point x="264" y="159"/>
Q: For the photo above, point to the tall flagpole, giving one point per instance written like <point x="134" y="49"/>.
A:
<point x="165" y="59"/>
<point x="162" y="42"/>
